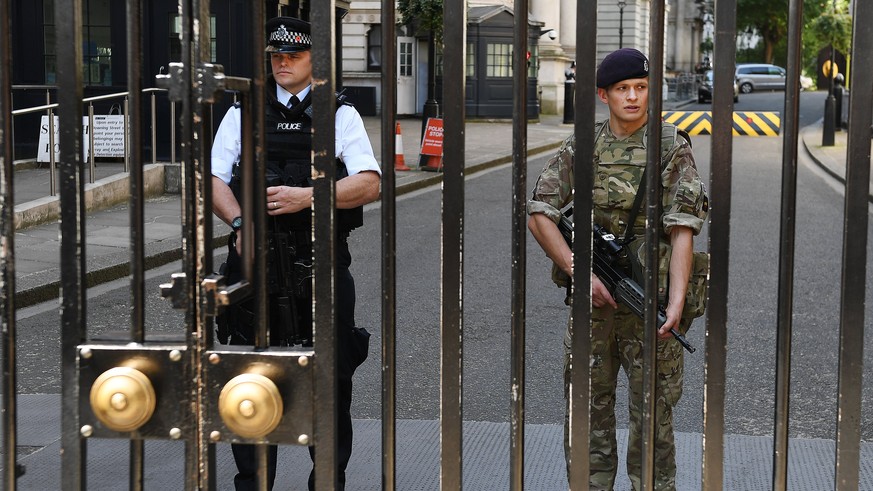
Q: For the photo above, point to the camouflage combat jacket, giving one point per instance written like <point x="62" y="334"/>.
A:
<point x="618" y="171"/>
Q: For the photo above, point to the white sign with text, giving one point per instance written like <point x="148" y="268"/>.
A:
<point x="108" y="137"/>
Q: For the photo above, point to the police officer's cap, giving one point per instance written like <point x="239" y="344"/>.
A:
<point x="621" y="65"/>
<point x="288" y="35"/>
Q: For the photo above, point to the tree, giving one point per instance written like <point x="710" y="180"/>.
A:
<point x="427" y="15"/>
<point x="769" y="20"/>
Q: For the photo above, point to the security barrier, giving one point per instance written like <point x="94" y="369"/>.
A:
<point x="749" y="123"/>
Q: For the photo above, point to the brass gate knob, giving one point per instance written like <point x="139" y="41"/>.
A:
<point x="250" y="405"/>
<point x="123" y="398"/>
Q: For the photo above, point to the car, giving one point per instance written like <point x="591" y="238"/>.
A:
<point x="760" y="76"/>
<point x="704" y="91"/>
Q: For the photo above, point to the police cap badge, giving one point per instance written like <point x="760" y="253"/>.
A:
<point x="287" y="35"/>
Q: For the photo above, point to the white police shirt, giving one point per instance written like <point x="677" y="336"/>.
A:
<point x="353" y="146"/>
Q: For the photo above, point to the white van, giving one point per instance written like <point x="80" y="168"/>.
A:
<point x="759" y="76"/>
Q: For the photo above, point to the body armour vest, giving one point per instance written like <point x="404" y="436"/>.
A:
<point x="288" y="134"/>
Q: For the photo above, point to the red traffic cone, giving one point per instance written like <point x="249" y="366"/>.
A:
<point x="399" y="161"/>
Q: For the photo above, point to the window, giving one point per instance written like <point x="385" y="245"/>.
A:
<point x="374" y="49"/>
<point x="96" y="42"/>
<point x="404" y="65"/>
<point x="176" y="38"/>
<point x="498" y="61"/>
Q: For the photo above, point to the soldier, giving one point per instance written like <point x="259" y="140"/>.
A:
<point x="288" y="125"/>
<point x="616" y="333"/>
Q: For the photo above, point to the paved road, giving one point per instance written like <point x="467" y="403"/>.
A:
<point x="754" y="252"/>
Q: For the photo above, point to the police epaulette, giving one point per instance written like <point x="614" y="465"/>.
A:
<point x="343" y="100"/>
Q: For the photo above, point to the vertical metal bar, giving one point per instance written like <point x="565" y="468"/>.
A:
<point x="786" y="251"/>
<point x="194" y="479"/>
<point x="719" y="246"/>
<point x="154" y="129"/>
<point x="53" y="188"/>
<point x="254" y="197"/>
<point x="201" y="111"/>
<point x="133" y="150"/>
<point x="91" y="167"/>
<point x="324" y="240"/>
<point x="72" y="257"/>
<point x="580" y="325"/>
<point x="254" y="237"/>
<point x="7" y="252"/>
<point x="519" y="245"/>
<point x="127" y="130"/>
<point x="653" y="235"/>
<point x="173" y="132"/>
<point x="452" y="253"/>
<point x="853" y="285"/>
<point x="389" y="247"/>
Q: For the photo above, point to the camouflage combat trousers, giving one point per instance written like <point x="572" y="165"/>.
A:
<point x="617" y="342"/>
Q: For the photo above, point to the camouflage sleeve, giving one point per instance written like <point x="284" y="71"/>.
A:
<point x="554" y="187"/>
<point x="685" y="200"/>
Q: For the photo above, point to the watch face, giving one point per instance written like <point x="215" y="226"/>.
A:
<point x="236" y="224"/>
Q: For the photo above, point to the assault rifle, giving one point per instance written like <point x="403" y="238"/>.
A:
<point x="291" y="268"/>
<point x="624" y="289"/>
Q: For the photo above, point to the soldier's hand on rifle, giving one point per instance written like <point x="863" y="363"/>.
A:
<point x="600" y="295"/>
<point x="673" y="315"/>
<point x="287" y="199"/>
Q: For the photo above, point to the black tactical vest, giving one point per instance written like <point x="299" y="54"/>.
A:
<point x="288" y="134"/>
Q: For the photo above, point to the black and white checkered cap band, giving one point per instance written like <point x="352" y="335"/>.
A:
<point x="284" y="36"/>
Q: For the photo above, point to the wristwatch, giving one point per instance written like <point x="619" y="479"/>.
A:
<point x="236" y="224"/>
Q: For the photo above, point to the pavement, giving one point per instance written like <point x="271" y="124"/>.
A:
<point x="488" y="144"/>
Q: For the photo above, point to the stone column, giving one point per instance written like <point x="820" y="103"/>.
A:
<point x="553" y="56"/>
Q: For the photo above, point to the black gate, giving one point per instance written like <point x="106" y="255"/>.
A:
<point x="131" y="389"/>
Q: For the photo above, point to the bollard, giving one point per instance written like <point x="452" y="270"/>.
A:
<point x="570" y="94"/>
<point x="838" y="101"/>
<point x="569" y="101"/>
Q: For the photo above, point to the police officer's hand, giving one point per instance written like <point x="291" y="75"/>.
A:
<point x="238" y="242"/>
<point x="286" y="199"/>
<point x="600" y="295"/>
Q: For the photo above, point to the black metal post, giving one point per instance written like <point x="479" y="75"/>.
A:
<point x="838" y="100"/>
<point x="828" y="127"/>
<point x="621" y="6"/>
<point x="569" y="100"/>
<point x="431" y="106"/>
<point x="827" y="133"/>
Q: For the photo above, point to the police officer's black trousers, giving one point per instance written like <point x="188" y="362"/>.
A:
<point x="352" y="350"/>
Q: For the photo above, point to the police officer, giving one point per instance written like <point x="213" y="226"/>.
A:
<point x="288" y="114"/>
<point x="616" y="332"/>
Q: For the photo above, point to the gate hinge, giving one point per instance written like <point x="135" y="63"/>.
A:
<point x="210" y="80"/>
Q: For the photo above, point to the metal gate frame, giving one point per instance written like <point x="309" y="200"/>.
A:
<point x="202" y="294"/>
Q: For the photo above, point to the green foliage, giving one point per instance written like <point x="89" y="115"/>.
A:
<point x="824" y="22"/>
<point x="427" y="15"/>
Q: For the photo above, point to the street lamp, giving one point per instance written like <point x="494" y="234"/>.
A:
<point x="621" y="5"/>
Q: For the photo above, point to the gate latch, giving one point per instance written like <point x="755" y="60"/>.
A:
<point x="175" y="291"/>
<point x="210" y="81"/>
<point x="217" y="295"/>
